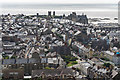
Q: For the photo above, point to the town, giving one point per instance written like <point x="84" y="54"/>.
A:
<point x="54" y="47"/>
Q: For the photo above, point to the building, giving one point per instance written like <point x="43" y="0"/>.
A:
<point x="83" y="67"/>
<point x="37" y="14"/>
<point x="53" y="74"/>
<point x="95" y="73"/>
<point x="49" y="13"/>
<point x="95" y="61"/>
<point x="53" y="13"/>
<point x="26" y="64"/>
<point x="32" y="63"/>
<point x="78" y="18"/>
<point x="114" y="57"/>
<point x="1" y="55"/>
<point x="12" y="74"/>
<point x="109" y="55"/>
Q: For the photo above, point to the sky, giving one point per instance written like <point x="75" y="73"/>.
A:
<point x="59" y="1"/>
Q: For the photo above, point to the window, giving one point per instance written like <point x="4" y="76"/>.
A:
<point x="13" y="73"/>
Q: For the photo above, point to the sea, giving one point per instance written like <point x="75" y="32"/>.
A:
<point x="91" y="10"/>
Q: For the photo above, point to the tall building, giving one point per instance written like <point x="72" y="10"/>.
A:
<point x="74" y="13"/>
<point x="37" y="14"/>
<point x="63" y="15"/>
<point x="78" y="18"/>
<point x="53" y="13"/>
<point x="49" y="13"/>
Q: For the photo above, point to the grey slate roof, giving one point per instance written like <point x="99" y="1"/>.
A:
<point x="21" y="61"/>
<point x="8" y="61"/>
<point x="52" y="72"/>
<point x="33" y="60"/>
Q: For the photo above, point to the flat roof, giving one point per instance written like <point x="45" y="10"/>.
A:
<point x="110" y="53"/>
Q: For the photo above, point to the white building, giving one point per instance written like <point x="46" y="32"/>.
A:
<point x="115" y="58"/>
<point x="84" y="66"/>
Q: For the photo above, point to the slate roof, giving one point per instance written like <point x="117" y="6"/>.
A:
<point x="33" y="60"/>
<point x="8" y="61"/>
<point x="21" y="61"/>
<point x="52" y="72"/>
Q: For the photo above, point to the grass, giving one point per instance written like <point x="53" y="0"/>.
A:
<point x="71" y="63"/>
<point x="48" y="68"/>
<point x="6" y="57"/>
<point x="94" y="55"/>
<point x="70" y="60"/>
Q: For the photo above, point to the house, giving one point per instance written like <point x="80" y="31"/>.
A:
<point x="114" y="57"/>
<point x="12" y="74"/>
<point x="96" y="61"/>
<point x="53" y="74"/>
<point x="95" y="73"/>
<point x="83" y="67"/>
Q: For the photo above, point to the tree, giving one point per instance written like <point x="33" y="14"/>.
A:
<point x="106" y="64"/>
